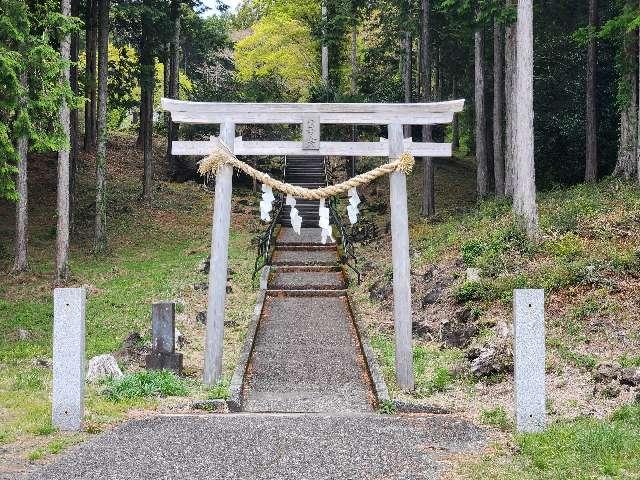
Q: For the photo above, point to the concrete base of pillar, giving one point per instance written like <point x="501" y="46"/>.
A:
<point x="164" y="361"/>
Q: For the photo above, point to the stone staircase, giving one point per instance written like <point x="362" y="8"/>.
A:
<point x="306" y="356"/>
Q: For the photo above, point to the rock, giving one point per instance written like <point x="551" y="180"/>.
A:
<point x="433" y="295"/>
<point x="381" y="290"/>
<point x="217" y="405"/>
<point x="229" y="287"/>
<point x="427" y="276"/>
<point x="23" y="334"/>
<point x="457" y="333"/>
<point x="41" y="362"/>
<point x="630" y="376"/>
<point x="610" y="390"/>
<point x="230" y="323"/>
<point x="201" y="317"/>
<point x="204" y="265"/>
<point x="133" y="349"/>
<point x="102" y="367"/>
<point x="490" y="361"/>
<point x="607" y="371"/>
<point x="133" y="340"/>
<point x="201" y="286"/>
<point x="473" y="274"/>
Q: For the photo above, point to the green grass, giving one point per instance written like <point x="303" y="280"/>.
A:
<point x="582" y="449"/>
<point x="153" y="254"/>
<point x="145" y="384"/>
<point x="220" y="391"/>
<point x="496" y="417"/>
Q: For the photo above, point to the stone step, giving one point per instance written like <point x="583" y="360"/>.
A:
<point x="308" y="236"/>
<point x="305" y="256"/>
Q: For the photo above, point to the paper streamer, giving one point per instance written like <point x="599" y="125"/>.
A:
<point x="352" y="209"/>
<point x="296" y="219"/>
<point x="324" y="224"/>
<point x="266" y="205"/>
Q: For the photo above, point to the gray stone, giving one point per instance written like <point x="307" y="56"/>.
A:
<point x="102" y="367"/>
<point x="67" y="408"/>
<point x="216" y="405"/>
<point x="201" y="286"/>
<point x="381" y="289"/>
<point x="631" y="376"/>
<point x="432" y="296"/>
<point x="164" y="361"/>
<point x="607" y="371"/>
<point x="23" y="334"/>
<point x="473" y="274"/>
<point x="204" y="265"/>
<point x="457" y="332"/>
<point x="201" y="317"/>
<point x="181" y="340"/>
<point x="163" y="326"/>
<point x="489" y="360"/>
<point x="611" y="389"/>
<point x="529" y="360"/>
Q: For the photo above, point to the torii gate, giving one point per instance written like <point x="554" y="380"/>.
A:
<point x="311" y="116"/>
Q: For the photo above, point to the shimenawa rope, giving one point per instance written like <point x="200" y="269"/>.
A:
<point x="222" y="155"/>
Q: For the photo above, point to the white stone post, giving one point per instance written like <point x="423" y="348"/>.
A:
<point x="529" y="360"/>
<point x="219" y="262"/>
<point x="401" y="265"/>
<point x="67" y="407"/>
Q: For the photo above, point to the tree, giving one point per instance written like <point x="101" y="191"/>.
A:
<point x="62" y="232"/>
<point x="91" y="40"/>
<point x="591" y="169"/>
<point x="480" y="114"/>
<point x="510" y="114"/>
<point x="22" y="215"/>
<point x="173" y="91"/>
<point x="100" y="240"/>
<point x="524" y="196"/>
<point x="147" y="85"/>
<point x="498" y="107"/>
<point x="428" y="190"/>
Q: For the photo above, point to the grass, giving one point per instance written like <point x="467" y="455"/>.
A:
<point x="582" y="449"/>
<point x="145" y="384"/>
<point x="496" y="417"/>
<point x="154" y="250"/>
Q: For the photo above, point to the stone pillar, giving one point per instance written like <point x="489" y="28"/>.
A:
<point x="67" y="407"/>
<point x="163" y="354"/>
<point x="529" y="360"/>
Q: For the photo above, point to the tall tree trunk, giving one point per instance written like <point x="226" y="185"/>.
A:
<point x="498" y="107"/>
<point x="510" y="114"/>
<point x="22" y="213"/>
<point x="174" y="84"/>
<point x="591" y="167"/>
<point x="74" y="167"/>
<point x="524" y="201"/>
<point x="407" y="70"/>
<point x="100" y="241"/>
<point x="147" y="83"/>
<point x="90" y="74"/>
<point x="354" y="59"/>
<point x="166" y="70"/>
<point x="626" y="165"/>
<point x="324" y="51"/>
<point x="455" y="125"/>
<point x="428" y="190"/>
<point x="62" y="234"/>
<point x="480" y="116"/>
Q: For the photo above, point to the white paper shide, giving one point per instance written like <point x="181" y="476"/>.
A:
<point x="324" y="224"/>
<point x="266" y="205"/>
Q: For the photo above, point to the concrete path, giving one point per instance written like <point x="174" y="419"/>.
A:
<point x="306" y="356"/>
<point x="267" y="446"/>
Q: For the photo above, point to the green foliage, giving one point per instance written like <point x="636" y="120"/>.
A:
<point x="439" y="382"/>
<point x="496" y="417"/>
<point x="279" y="46"/>
<point x="473" y="291"/>
<point x="220" y="391"/>
<point x="387" y="407"/>
<point x="145" y="384"/>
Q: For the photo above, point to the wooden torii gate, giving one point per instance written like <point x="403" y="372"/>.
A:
<point x="311" y="116"/>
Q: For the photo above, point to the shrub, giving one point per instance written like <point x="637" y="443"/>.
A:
<point x="469" y="291"/>
<point x="145" y="384"/>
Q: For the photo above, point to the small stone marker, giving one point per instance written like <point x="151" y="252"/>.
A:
<point x="67" y="409"/>
<point x="529" y="360"/>
<point x="163" y="354"/>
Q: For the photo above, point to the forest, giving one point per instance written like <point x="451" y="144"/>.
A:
<point x="542" y="192"/>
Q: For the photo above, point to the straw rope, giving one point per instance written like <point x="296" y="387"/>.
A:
<point x="221" y="155"/>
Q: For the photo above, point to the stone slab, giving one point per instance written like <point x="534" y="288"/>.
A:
<point x="302" y="280"/>
<point x="163" y="327"/>
<point x="164" y="361"/>
<point x="529" y="360"/>
<point x="270" y="447"/>
<point x="67" y="408"/>
<point x="305" y="257"/>
<point x="308" y="236"/>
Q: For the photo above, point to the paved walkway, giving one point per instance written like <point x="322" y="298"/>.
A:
<point x="268" y="446"/>
<point x="306" y="356"/>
